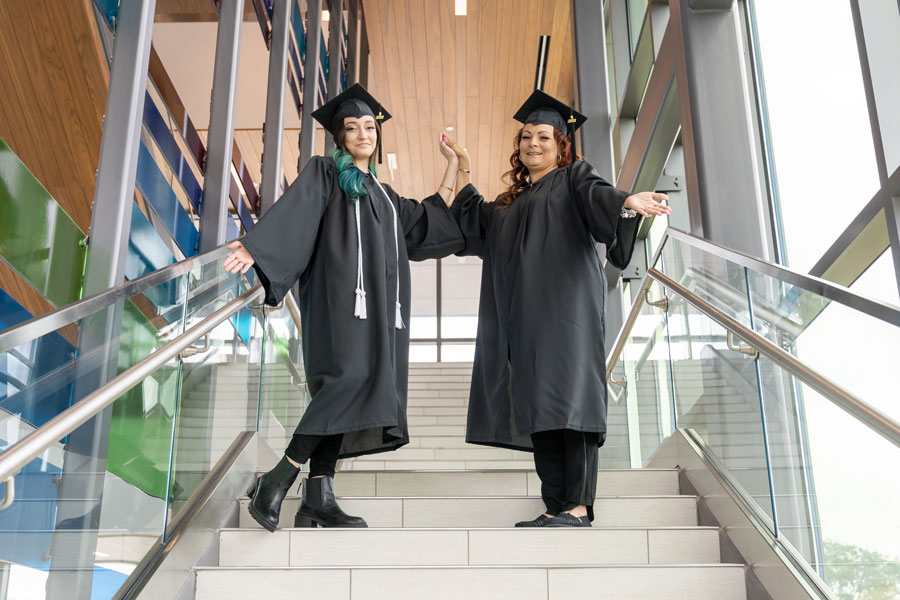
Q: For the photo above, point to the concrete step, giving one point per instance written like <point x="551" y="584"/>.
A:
<point x="611" y="482"/>
<point x="641" y="582"/>
<point x="496" y="511"/>
<point x="474" y="547"/>
<point x="616" y="460"/>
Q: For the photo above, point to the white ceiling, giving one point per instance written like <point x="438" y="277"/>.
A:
<point x="188" y="52"/>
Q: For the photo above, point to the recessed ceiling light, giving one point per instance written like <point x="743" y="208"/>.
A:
<point x="449" y="127"/>
<point x="460" y="7"/>
<point x="326" y="16"/>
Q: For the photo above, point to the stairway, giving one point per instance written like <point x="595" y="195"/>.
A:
<point x="441" y="515"/>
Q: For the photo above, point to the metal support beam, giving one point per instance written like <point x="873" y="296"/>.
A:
<point x="217" y="181"/>
<point x="892" y="212"/>
<point x="72" y="557"/>
<point x="114" y="194"/>
<point x="354" y="31"/>
<point x="273" y="129"/>
<point x="593" y="86"/>
<point x="735" y="209"/>
<point x="310" y="81"/>
<point x="335" y="57"/>
<point x="363" y="49"/>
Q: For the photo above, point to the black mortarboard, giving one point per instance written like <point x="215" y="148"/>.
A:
<point x="355" y="101"/>
<point x="544" y="109"/>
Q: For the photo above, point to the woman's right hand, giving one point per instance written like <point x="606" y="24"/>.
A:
<point x="238" y="261"/>
<point x="460" y="152"/>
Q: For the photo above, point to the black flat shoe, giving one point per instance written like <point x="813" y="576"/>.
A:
<point x="541" y="521"/>
<point x="319" y="508"/>
<point x="268" y="493"/>
<point x="565" y="519"/>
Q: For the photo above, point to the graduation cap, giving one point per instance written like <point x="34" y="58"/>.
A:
<point x="544" y="109"/>
<point x="355" y="101"/>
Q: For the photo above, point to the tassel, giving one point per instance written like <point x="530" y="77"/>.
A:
<point x="360" y="311"/>
<point x="398" y="317"/>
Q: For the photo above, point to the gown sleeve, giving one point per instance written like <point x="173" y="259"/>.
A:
<point x="428" y="227"/>
<point x="282" y="242"/>
<point x="600" y="205"/>
<point x="473" y="215"/>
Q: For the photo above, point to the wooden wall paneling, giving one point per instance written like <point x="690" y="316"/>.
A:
<point x="459" y="53"/>
<point x="42" y="100"/>
<point x="91" y="56"/>
<point x="65" y="78"/>
<point x="16" y="94"/>
<point x="421" y="93"/>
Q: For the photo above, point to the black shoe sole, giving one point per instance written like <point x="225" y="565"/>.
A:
<point x="309" y="521"/>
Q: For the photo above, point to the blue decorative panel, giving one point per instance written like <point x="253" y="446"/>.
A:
<point x="156" y="190"/>
<point x="156" y="125"/>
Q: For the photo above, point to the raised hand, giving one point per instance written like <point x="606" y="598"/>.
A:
<point x="648" y="204"/>
<point x="238" y="261"/>
<point x="446" y="150"/>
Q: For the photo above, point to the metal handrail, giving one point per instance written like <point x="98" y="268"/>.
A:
<point x="867" y="414"/>
<point x="49" y="322"/>
<point x="33" y="445"/>
<point x="816" y="285"/>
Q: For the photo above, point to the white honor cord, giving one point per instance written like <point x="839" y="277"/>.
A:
<point x="398" y="316"/>
<point x="360" y="310"/>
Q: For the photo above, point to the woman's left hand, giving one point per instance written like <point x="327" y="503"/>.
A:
<point x="446" y="150"/>
<point x="647" y="204"/>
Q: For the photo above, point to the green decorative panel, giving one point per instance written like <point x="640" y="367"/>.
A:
<point x="37" y="237"/>
<point x="140" y="436"/>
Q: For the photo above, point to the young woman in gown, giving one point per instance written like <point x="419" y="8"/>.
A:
<point x="347" y="239"/>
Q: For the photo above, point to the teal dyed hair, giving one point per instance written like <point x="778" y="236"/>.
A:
<point x="350" y="177"/>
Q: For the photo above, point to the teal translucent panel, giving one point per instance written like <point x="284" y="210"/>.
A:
<point x="853" y="349"/>
<point x="837" y="496"/>
<point x="283" y="396"/>
<point x="88" y="508"/>
<point x="712" y="278"/>
<point x="218" y="383"/>
<point x="648" y="395"/>
<point x="717" y="395"/>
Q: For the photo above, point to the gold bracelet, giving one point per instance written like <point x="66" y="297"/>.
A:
<point x="445" y="186"/>
<point x="464" y="170"/>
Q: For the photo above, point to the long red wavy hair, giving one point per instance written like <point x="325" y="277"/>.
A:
<point x="516" y="177"/>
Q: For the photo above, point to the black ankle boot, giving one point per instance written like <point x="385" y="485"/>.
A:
<point x="269" y="492"/>
<point x="319" y="507"/>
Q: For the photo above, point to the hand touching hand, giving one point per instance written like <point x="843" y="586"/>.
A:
<point x="238" y="261"/>
<point x="445" y="148"/>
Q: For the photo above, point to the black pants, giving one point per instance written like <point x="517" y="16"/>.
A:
<point x="321" y="451"/>
<point x="566" y="462"/>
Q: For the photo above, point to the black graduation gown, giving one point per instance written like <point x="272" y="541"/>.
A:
<point x="356" y="369"/>
<point x="540" y="363"/>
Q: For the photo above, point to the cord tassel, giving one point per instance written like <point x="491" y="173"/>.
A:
<point x="398" y="317"/>
<point x="360" y="310"/>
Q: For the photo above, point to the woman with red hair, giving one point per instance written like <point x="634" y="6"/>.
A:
<point x="539" y="378"/>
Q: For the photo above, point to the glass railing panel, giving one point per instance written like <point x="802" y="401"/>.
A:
<point x="853" y="349"/>
<point x="648" y="395"/>
<point x="717" y="395"/>
<point x="219" y="381"/>
<point x="102" y="489"/>
<point x="839" y="506"/>
<point x="615" y="452"/>
<point x="715" y="279"/>
<point x="283" y="396"/>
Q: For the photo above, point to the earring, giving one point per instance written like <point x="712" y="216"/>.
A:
<point x="558" y="158"/>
